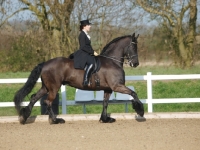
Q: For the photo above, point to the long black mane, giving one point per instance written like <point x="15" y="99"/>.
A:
<point x="113" y="41"/>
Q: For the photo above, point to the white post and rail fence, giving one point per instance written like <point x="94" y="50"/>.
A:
<point x="148" y="78"/>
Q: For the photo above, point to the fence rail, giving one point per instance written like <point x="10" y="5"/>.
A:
<point x="149" y="101"/>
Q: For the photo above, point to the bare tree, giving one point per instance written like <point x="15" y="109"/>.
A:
<point x="52" y="28"/>
<point x="174" y="15"/>
<point x="7" y="10"/>
<point x="54" y="17"/>
<point x="110" y="19"/>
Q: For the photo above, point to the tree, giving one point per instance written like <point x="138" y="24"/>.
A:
<point x="51" y="27"/>
<point x="180" y="19"/>
<point x="110" y="19"/>
<point x="54" y="17"/>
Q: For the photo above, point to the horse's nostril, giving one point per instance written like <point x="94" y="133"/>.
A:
<point x="136" y="64"/>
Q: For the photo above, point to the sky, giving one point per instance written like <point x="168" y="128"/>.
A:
<point x="27" y="15"/>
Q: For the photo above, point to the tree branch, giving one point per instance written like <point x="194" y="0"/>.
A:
<point x="22" y="9"/>
<point x="158" y="12"/>
<point x="32" y="8"/>
<point x="184" y="10"/>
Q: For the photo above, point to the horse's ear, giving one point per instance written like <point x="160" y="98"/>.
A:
<point x="133" y="36"/>
<point x="137" y="36"/>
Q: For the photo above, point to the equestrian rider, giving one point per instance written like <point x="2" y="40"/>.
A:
<point x="84" y="57"/>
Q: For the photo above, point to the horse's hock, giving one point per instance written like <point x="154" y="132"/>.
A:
<point x="55" y="105"/>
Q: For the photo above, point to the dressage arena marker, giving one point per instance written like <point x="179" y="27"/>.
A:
<point x="118" y="116"/>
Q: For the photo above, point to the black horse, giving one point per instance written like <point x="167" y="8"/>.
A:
<point x="58" y="71"/>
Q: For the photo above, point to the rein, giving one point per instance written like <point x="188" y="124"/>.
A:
<point x="113" y="57"/>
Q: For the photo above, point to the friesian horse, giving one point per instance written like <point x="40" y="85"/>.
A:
<point x="60" y="71"/>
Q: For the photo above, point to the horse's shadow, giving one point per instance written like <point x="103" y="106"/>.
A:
<point x="32" y="119"/>
<point x="140" y="119"/>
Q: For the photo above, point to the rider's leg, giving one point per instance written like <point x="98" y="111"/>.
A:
<point x="87" y="74"/>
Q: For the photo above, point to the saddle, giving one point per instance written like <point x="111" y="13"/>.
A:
<point x="96" y="68"/>
<point x="97" y="65"/>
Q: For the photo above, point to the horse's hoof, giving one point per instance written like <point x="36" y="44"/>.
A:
<point x="107" y="120"/>
<point x="23" y="115"/>
<point x="111" y="120"/>
<point x="141" y="114"/>
<point x="139" y="108"/>
<point x="56" y="121"/>
<point x="60" y="120"/>
<point x="22" y="120"/>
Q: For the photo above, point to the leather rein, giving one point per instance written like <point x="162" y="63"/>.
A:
<point x="130" y="58"/>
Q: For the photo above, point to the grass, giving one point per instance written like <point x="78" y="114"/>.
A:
<point x="161" y="89"/>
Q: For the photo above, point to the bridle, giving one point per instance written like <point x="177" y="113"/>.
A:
<point x="128" y="57"/>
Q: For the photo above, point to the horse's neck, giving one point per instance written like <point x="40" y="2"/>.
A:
<point x="118" y="51"/>
<point x="116" y="55"/>
<point x="114" y="52"/>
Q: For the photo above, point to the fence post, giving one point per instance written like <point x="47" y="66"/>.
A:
<point x="64" y="97"/>
<point x="149" y="92"/>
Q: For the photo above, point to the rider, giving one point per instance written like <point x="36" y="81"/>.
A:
<point x="84" y="57"/>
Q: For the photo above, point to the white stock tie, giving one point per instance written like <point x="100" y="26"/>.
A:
<point x="88" y="36"/>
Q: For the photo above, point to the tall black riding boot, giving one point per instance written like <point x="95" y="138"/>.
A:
<point x="87" y="75"/>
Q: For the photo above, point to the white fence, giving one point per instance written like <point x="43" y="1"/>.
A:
<point x="149" y="101"/>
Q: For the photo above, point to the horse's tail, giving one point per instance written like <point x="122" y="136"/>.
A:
<point x="28" y="86"/>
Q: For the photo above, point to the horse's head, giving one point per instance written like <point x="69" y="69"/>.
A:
<point x="131" y="52"/>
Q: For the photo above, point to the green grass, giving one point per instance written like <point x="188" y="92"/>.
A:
<point x="161" y="70"/>
<point x="161" y="89"/>
<point x="8" y="75"/>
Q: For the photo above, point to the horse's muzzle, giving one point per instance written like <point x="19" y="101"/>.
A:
<point x="134" y="64"/>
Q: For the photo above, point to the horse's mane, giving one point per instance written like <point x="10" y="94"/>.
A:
<point x="113" y="41"/>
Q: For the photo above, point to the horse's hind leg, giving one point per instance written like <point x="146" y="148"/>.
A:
<point x="104" y="116"/>
<point x="52" y="116"/>
<point x="26" y="111"/>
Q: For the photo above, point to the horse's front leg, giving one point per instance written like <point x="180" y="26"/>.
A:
<point x="104" y="115"/>
<point x="137" y="104"/>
